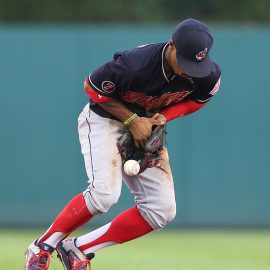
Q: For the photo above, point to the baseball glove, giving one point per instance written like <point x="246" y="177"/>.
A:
<point x="148" y="157"/>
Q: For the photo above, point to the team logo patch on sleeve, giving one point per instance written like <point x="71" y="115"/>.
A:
<point x="108" y="87"/>
<point x="215" y="89"/>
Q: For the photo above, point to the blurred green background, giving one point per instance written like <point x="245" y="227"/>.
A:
<point x="219" y="155"/>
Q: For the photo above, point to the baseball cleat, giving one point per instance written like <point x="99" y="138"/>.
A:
<point x="71" y="257"/>
<point x="38" y="256"/>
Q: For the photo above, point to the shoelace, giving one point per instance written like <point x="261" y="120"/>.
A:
<point x="41" y="265"/>
<point x="81" y="263"/>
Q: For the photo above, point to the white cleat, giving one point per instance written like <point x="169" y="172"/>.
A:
<point x="38" y="256"/>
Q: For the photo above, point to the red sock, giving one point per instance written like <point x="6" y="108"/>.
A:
<point x="127" y="226"/>
<point x="74" y="215"/>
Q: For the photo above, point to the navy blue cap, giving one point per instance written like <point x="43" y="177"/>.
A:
<point x="193" y="42"/>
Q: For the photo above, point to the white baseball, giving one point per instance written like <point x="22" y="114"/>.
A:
<point x="131" y="167"/>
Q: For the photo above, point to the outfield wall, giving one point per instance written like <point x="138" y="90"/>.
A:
<point x="219" y="155"/>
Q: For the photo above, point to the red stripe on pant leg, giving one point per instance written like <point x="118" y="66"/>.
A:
<point x="127" y="226"/>
<point x="74" y="215"/>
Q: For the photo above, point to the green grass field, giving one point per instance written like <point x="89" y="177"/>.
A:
<point x="163" y="250"/>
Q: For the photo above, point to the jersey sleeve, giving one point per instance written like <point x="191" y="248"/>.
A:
<point x="206" y="88"/>
<point x="111" y="78"/>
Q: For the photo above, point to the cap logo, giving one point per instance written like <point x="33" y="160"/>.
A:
<point x="201" y="55"/>
<point x="108" y="87"/>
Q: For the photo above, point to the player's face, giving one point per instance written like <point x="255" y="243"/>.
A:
<point x="173" y="61"/>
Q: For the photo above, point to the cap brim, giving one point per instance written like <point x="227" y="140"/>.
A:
<point x="197" y="69"/>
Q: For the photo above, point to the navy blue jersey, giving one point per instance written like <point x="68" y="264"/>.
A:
<point x="138" y="78"/>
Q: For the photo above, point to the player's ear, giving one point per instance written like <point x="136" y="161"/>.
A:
<point x="171" y="43"/>
<point x="171" y="46"/>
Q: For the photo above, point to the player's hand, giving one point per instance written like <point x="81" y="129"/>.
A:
<point x="160" y="119"/>
<point x="141" y="128"/>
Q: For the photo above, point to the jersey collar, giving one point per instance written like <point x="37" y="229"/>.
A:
<point x="162" y="63"/>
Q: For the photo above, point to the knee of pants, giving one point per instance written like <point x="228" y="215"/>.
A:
<point x="159" y="217"/>
<point x="99" y="202"/>
<point x="167" y="215"/>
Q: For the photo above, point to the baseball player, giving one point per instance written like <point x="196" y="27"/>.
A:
<point x="165" y="80"/>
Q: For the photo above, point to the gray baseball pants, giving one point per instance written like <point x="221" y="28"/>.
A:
<point x="153" y="189"/>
